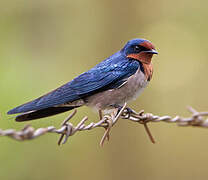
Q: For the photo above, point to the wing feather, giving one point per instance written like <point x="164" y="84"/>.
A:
<point x="109" y="74"/>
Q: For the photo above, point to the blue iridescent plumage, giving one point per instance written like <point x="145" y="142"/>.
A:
<point x="110" y="74"/>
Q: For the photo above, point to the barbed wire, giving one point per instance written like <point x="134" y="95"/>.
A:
<point x="67" y="129"/>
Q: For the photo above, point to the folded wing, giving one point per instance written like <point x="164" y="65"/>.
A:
<point x="106" y="75"/>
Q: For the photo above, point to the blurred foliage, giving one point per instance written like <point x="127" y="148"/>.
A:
<point x="44" y="44"/>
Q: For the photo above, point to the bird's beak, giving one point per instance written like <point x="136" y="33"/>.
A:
<point x="152" y="51"/>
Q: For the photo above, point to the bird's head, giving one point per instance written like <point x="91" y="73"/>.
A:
<point x="139" y="49"/>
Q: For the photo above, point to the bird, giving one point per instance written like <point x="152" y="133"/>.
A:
<point x="118" y="79"/>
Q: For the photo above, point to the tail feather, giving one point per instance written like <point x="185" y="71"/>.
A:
<point x="43" y="113"/>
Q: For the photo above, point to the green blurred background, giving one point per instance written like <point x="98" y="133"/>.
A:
<point x="44" y="44"/>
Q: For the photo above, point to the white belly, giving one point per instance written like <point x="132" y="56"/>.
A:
<point x="128" y="91"/>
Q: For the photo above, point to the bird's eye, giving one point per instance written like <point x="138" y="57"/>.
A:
<point x="137" y="48"/>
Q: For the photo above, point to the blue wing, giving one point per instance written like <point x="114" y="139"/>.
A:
<point x="109" y="74"/>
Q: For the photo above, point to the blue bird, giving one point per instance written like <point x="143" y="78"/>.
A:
<point x="116" y="80"/>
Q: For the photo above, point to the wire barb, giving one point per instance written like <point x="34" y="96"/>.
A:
<point x="198" y="119"/>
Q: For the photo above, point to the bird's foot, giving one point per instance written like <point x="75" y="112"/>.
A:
<point x="127" y="111"/>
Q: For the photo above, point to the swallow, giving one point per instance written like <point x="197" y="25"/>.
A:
<point x="116" y="80"/>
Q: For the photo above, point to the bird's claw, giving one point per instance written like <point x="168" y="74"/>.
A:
<point x="127" y="110"/>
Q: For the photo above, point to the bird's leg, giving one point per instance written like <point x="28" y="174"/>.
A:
<point x="100" y="114"/>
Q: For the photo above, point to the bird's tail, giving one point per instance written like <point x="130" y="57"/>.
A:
<point x="43" y="113"/>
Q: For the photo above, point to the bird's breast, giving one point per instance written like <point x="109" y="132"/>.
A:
<point x="135" y="85"/>
<point x="129" y="90"/>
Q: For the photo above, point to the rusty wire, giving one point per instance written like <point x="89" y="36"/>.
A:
<point x="68" y="129"/>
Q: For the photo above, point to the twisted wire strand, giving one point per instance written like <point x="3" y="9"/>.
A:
<point x="67" y="129"/>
